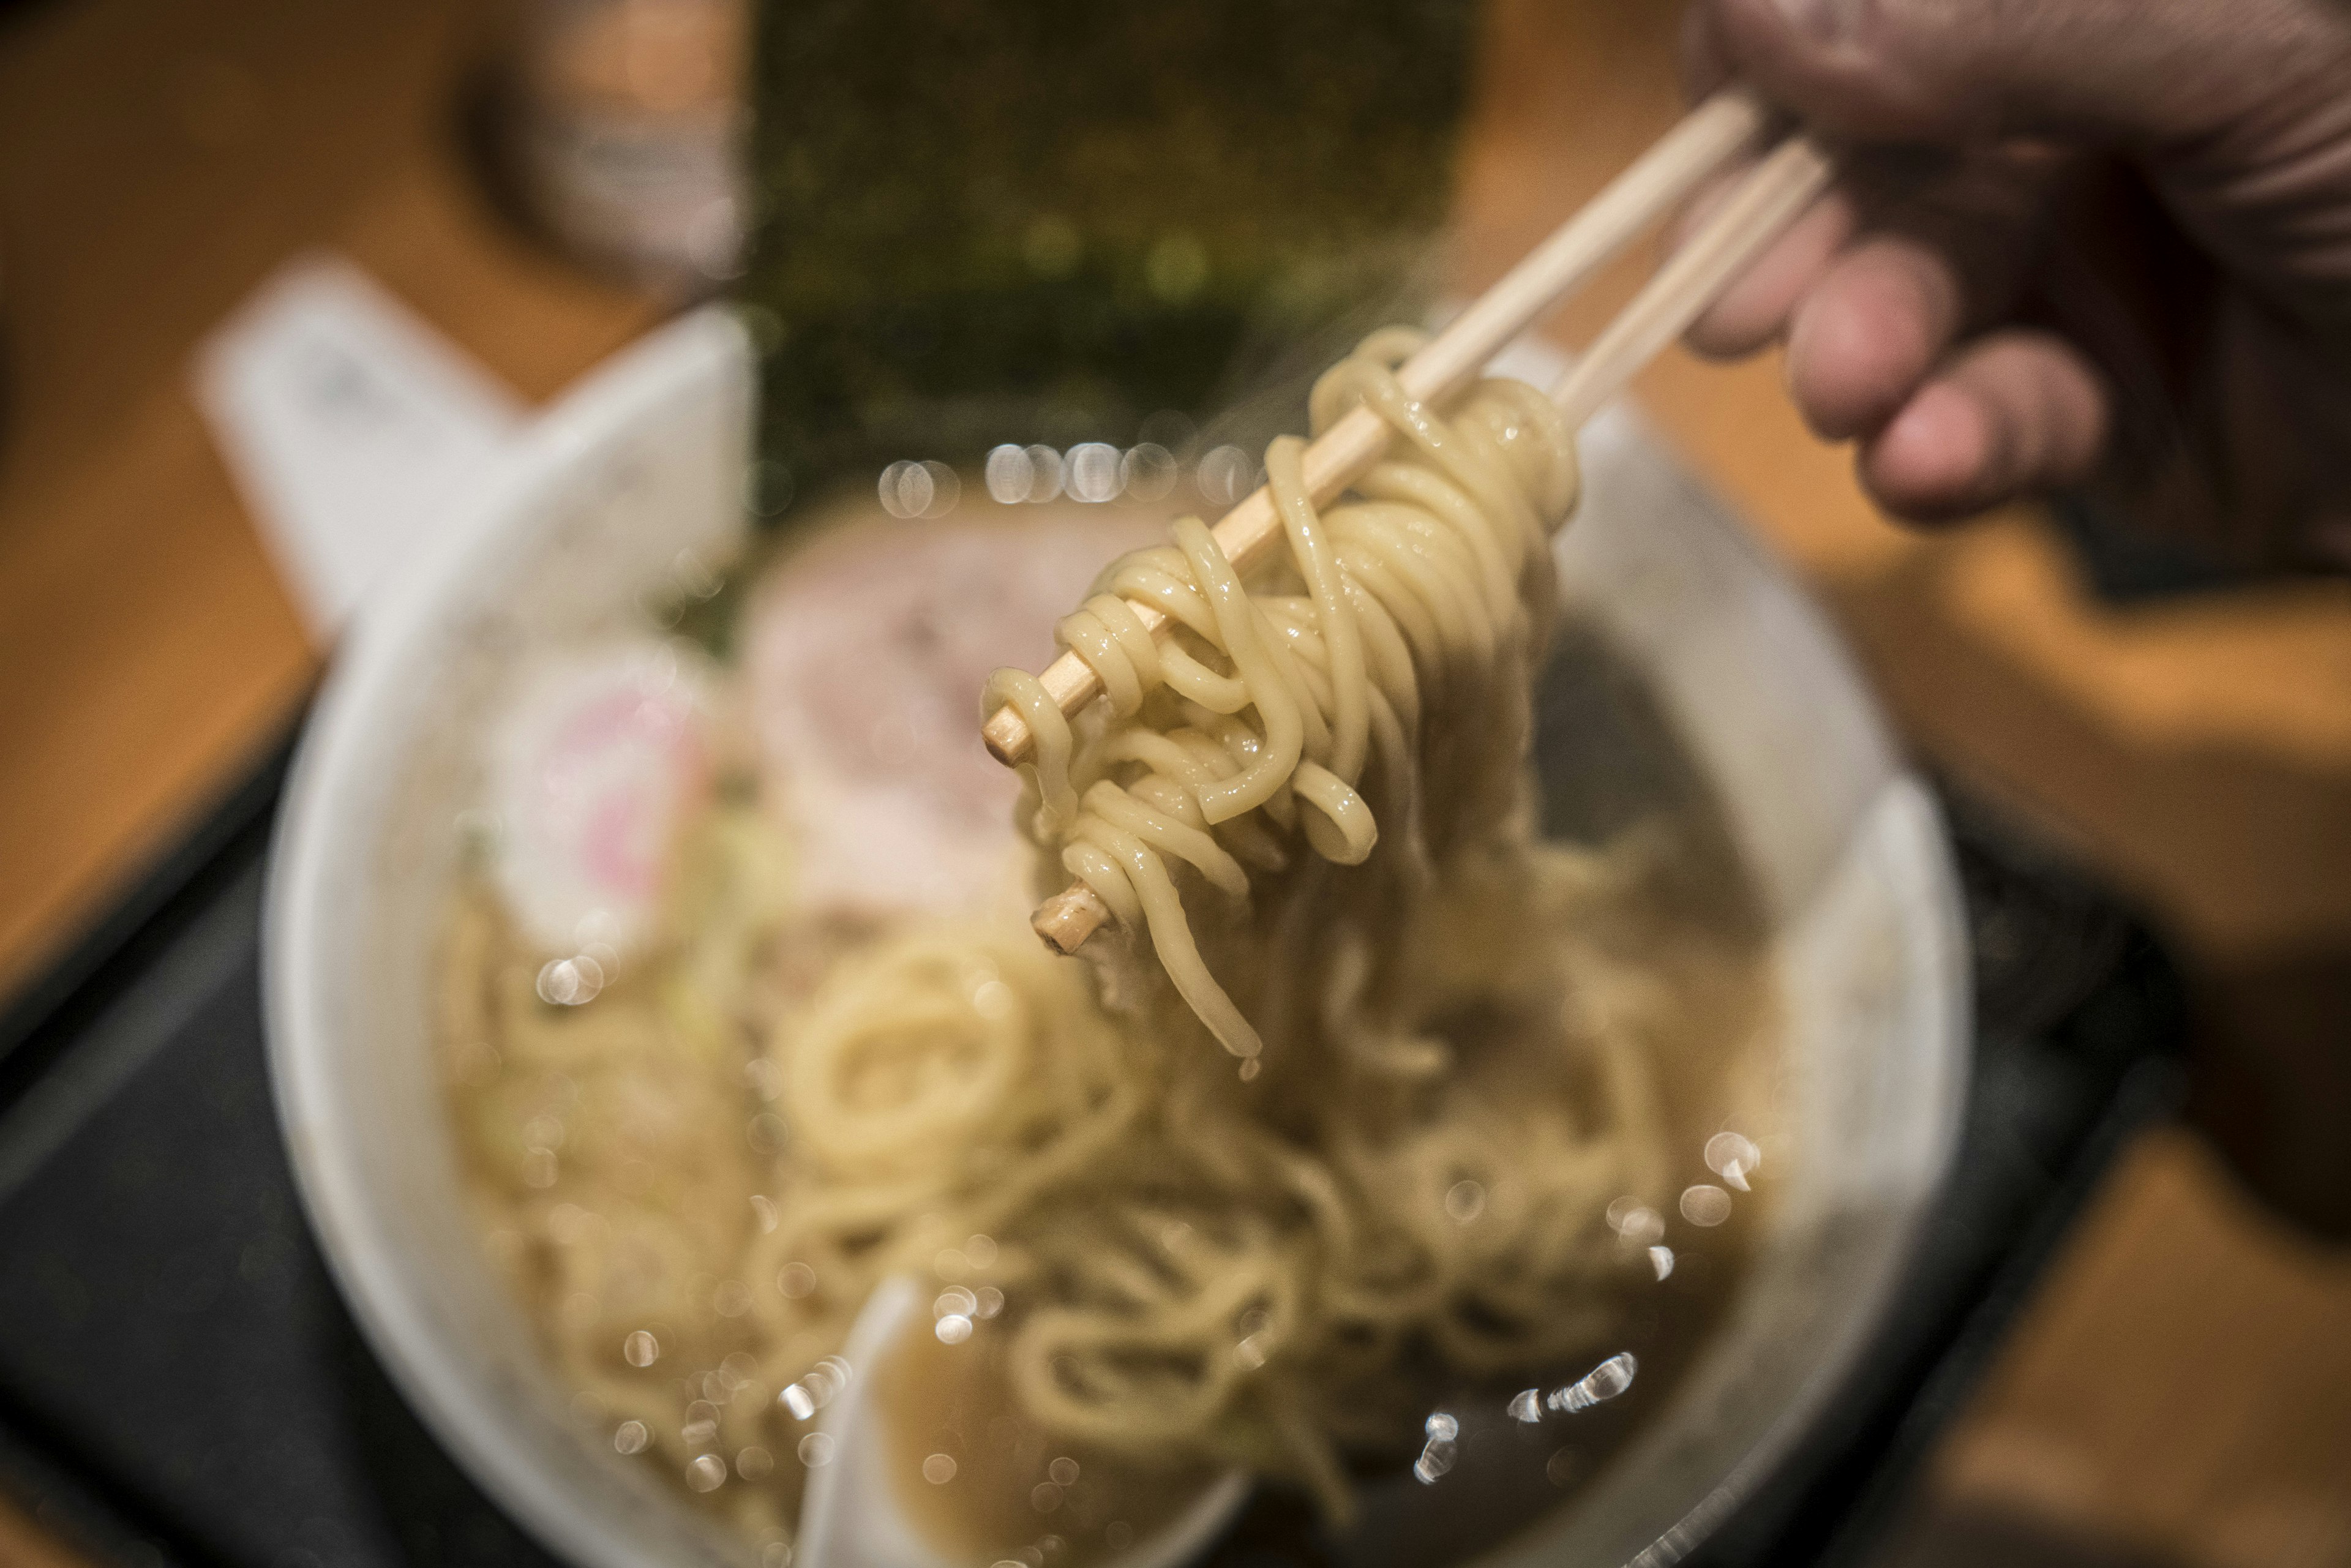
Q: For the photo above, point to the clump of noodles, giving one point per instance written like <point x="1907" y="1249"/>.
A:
<point x="1189" y="1272"/>
<point x="1183" y="1269"/>
<point x="1259" y="718"/>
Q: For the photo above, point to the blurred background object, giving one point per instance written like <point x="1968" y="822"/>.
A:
<point x="624" y="122"/>
<point x="351" y="427"/>
<point x="2178" y="1391"/>
<point x="1120" y="211"/>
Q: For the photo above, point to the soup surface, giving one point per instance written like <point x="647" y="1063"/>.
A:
<point x="698" y="872"/>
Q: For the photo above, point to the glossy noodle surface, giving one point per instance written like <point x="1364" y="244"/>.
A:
<point x="1492" y="1035"/>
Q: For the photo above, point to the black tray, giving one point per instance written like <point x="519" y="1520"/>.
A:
<point x="180" y="1382"/>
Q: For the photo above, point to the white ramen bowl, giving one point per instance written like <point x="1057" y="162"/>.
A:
<point x="645" y="460"/>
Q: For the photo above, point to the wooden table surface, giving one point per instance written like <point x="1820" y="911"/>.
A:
<point x="2181" y="1392"/>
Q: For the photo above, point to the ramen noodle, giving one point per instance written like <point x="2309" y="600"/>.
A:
<point x="1439" y="575"/>
<point x="1443" y="1167"/>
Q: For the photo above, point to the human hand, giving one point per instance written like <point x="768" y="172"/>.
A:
<point x="2075" y="242"/>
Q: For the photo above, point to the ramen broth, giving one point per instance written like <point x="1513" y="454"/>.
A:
<point x="986" y="1484"/>
<point x="639" y="1129"/>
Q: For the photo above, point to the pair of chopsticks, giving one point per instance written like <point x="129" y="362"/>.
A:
<point x="1779" y="188"/>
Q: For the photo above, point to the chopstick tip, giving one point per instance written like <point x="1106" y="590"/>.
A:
<point x="1069" y="919"/>
<point x="1006" y="736"/>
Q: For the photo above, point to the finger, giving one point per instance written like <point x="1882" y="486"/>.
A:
<point x="1866" y="334"/>
<point x="1951" y="239"/>
<point x="2016" y="412"/>
<point x="1983" y="211"/>
<point x="1753" y="312"/>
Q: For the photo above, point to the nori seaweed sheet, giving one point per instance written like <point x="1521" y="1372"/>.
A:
<point x="978" y="221"/>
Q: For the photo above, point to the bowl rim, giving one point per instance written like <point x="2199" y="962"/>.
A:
<point x="397" y="1320"/>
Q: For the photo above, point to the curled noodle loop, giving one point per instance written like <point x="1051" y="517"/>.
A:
<point x="1274" y="704"/>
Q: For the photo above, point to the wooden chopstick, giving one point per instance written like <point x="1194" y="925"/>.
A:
<point x="1759" y="208"/>
<point x="1652" y="186"/>
<point x="1766" y="202"/>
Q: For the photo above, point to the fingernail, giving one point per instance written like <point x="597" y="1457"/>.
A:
<point x="1938" y="450"/>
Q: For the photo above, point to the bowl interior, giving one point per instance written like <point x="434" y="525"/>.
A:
<point x="646" y="461"/>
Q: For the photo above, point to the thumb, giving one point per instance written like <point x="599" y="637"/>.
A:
<point x="2139" y="74"/>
